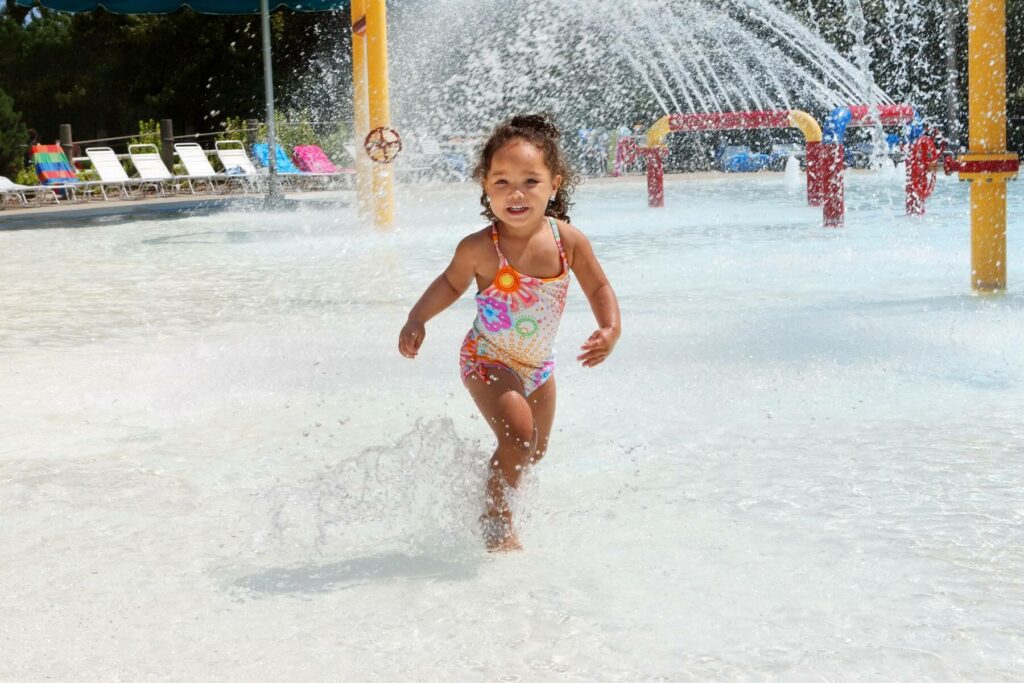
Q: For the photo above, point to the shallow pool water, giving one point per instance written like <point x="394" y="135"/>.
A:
<point x="804" y="461"/>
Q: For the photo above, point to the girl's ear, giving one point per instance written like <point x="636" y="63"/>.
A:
<point x="556" y="182"/>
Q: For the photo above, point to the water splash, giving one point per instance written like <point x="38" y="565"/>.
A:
<point x="794" y="177"/>
<point x="460" y="65"/>
<point x="858" y="25"/>
<point x="420" y="495"/>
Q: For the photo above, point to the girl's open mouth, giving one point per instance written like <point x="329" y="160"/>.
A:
<point x="517" y="210"/>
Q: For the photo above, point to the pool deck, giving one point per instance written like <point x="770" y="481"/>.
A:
<point x="81" y="214"/>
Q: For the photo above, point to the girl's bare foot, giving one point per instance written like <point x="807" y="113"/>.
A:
<point x="499" y="534"/>
<point x="508" y="544"/>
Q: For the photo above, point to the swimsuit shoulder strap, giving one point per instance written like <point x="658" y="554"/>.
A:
<point x="558" y="238"/>
<point x="494" y="238"/>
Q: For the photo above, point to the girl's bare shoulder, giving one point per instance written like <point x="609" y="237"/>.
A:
<point x="572" y="237"/>
<point x="476" y="246"/>
<point x="568" y="231"/>
<point x="477" y="241"/>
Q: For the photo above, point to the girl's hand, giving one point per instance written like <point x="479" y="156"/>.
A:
<point x="598" y="347"/>
<point x="410" y="338"/>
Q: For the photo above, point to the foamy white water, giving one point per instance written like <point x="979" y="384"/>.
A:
<point x="804" y="461"/>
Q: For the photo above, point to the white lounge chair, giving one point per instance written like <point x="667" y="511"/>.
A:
<point x="150" y="167"/>
<point x="237" y="163"/>
<point x="198" y="168"/>
<point x="10" y="189"/>
<point x="112" y="174"/>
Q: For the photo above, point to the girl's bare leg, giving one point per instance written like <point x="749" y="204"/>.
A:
<point x="522" y="426"/>
<point x="542" y="403"/>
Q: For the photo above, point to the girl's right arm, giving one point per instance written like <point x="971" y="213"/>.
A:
<point x="442" y="293"/>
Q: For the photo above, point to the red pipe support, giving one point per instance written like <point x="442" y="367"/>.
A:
<point x="655" y="158"/>
<point x="922" y="163"/>
<point x="815" y="174"/>
<point x="834" y="206"/>
<point x="745" y="120"/>
<point x="951" y="166"/>
<point x="888" y="114"/>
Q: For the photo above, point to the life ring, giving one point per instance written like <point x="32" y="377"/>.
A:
<point x="383" y="144"/>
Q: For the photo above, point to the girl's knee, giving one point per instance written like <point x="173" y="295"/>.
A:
<point x="521" y="443"/>
<point x="517" y="435"/>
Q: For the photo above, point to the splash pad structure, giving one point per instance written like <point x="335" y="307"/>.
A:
<point x="656" y="150"/>
<point x="829" y="158"/>
<point x="824" y="151"/>
<point x="692" y="59"/>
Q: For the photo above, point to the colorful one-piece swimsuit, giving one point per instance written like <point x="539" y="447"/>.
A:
<point x="516" y="322"/>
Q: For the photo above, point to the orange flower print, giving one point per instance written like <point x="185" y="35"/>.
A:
<point x="517" y="290"/>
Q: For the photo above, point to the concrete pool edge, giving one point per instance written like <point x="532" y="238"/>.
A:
<point x="85" y="214"/>
<point x="90" y="213"/>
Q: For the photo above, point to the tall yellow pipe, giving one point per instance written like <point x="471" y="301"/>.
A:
<point x="361" y="109"/>
<point x="986" y="21"/>
<point x="379" y="106"/>
<point x="986" y="32"/>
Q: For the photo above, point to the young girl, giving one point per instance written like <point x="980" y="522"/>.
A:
<point x="520" y="263"/>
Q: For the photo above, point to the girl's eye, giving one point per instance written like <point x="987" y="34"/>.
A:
<point x="531" y="181"/>
<point x="500" y="182"/>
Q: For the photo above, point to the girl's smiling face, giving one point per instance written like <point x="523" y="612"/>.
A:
<point x="519" y="184"/>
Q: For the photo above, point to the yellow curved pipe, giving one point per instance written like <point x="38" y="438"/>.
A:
<point x="807" y="125"/>
<point x="657" y="133"/>
<point x="801" y="120"/>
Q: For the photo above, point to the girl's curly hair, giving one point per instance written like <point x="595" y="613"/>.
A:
<point x="538" y="130"/>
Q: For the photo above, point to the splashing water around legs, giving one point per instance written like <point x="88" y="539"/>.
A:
<point x="417" y="496"/>
<point x="522" y="425"/>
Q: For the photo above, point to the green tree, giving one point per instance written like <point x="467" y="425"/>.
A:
<point x="103" y="72"/>
<point x="13" y="135"/>
<point x="149" y="134"/>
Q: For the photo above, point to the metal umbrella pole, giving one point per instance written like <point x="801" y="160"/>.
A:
<point x="268" y="90"/>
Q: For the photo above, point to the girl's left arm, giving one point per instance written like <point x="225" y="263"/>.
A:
<point x="601" y="296"/>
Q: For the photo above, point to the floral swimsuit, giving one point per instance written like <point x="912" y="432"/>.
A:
<point x="517" y="319"/>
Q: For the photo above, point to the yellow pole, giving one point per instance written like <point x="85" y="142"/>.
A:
<point x="361" y="109"/>
<point x="380" y="107"/>
<point x="986" y="21"/>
